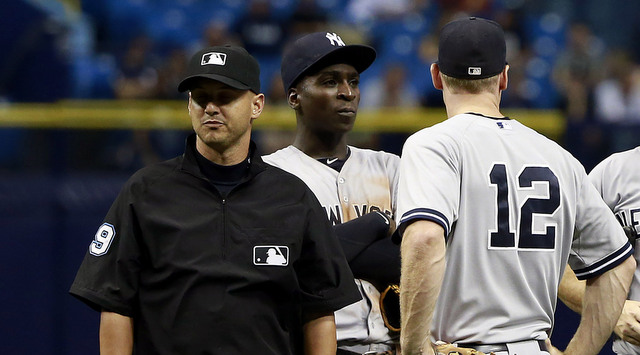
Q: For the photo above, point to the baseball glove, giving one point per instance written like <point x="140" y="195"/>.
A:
<point x="390" y="307"/>
<point x="442" y="348"/>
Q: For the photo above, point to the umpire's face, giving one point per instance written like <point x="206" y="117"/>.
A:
<point x="327" y="101"/>
<point x="222" y="115"/>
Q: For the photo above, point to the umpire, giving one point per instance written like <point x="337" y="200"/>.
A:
<point x="216" y="252"/>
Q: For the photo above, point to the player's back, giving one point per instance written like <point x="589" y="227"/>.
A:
<point x="508" y="198"/>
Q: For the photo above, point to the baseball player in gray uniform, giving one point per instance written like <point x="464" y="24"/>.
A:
<point x="321" y="75"/>
<point x="617" y="179"/>
<point x="488" y="209"/>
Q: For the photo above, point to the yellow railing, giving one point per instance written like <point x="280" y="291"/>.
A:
<point x="113" y="114"/>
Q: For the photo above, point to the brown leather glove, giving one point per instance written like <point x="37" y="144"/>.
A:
<point x="390" y="307"/>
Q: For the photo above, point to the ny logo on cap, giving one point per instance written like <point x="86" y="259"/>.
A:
<point x="335" y="39"/>
<point x="213" y="58"/>
<point x="475" y="71"/>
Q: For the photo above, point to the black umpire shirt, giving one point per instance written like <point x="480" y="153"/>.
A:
<point x="203" y="274"/>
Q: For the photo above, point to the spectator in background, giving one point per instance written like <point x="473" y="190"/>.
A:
<point x="428" y="53"/>
<point x="577" y="70"/>
<point x="617" y="101"/>
<point x="170" y="74"/>
<point x="260" y="32"/>
<point x="617" y="97"/>
<point x="217" y="33"/>
<point x="366" y="11"/>
<point x="137" y="77"/>
<point x="392" y="89"/>
<point x="307" y="18"/>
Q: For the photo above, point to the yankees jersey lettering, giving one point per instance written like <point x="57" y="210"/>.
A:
<point x="617" y="179"/>
<point x="367" y="182"/>
<point x="509" y="213"/>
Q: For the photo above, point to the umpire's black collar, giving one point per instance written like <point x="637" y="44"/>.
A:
<point x="190" y="163"/>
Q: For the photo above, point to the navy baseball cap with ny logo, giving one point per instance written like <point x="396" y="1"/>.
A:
<point x="318" y="50"/>
<point x="229" y="65"/>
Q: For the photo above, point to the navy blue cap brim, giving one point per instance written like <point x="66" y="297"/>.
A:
<point x="359" y="56"/>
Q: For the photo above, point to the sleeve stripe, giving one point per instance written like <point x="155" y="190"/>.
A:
<point x="605" y="264"/>
<point x="428" y="214"/>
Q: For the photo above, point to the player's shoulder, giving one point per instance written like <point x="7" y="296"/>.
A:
<point x="624" y="157"/>
<point x="618" y="162"/>
<point x="282" y="156"/>
<point x="373" y="154"/>
<point x="446" y="132"/>
<point x="376" y="157"/>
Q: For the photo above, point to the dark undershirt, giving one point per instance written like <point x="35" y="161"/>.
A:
<point x="335" y="163"/>
<point x="223" y="177"/>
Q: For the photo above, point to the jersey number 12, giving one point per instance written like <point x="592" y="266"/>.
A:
<point x="503" y="237"/>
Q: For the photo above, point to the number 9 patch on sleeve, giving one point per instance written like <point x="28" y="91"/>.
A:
<point x="102" y="240"/>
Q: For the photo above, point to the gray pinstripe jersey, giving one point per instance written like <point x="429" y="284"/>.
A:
<point x="617" y="178"/>
<point x="509" y="200"/>
<point x="367" y="182"/>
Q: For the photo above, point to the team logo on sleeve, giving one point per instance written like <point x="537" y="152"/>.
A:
<point x="272" y="255"/>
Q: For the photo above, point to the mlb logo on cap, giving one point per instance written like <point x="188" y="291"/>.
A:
<point x="214" y="58"/>
<point x="475" y="71"/>
<point x="230" y="65"/>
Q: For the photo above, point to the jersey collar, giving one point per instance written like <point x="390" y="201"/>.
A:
<point x="489" y="117"/>
<point x="190" y="163"/>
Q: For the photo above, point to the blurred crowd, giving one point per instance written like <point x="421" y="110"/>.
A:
<point x="564" y="54"/>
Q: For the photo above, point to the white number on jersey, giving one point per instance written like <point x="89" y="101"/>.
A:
<point x="502" y="237"/>
<point x="102" y="240"/>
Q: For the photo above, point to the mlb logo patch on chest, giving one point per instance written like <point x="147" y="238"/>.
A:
<point x="271" y="255"/>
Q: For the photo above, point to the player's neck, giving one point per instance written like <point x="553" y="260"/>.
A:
<point x="321" y="146"/>
<point x="484" y="103"/>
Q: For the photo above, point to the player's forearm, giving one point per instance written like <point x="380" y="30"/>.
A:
<point x="320" y="335"/>
<point x="116" y="334"/>
<point x="423" y="264"/>
<point x="571" y="290"/>
<point x="602" y="303"/>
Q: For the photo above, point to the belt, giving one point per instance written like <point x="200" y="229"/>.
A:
<point x="488" y="348"/>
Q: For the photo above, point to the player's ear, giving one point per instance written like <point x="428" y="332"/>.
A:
<point x="292" y="98"/>
<point x="504" y="78"/>
<point x="435" y="76"/>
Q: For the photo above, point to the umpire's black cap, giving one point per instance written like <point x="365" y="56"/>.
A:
<point x="318" y="50"/>
<point x="472" y="48"/>
<point x="229" y="65"/>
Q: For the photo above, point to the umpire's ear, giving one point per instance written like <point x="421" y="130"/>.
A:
<point x="292" y="98"/>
